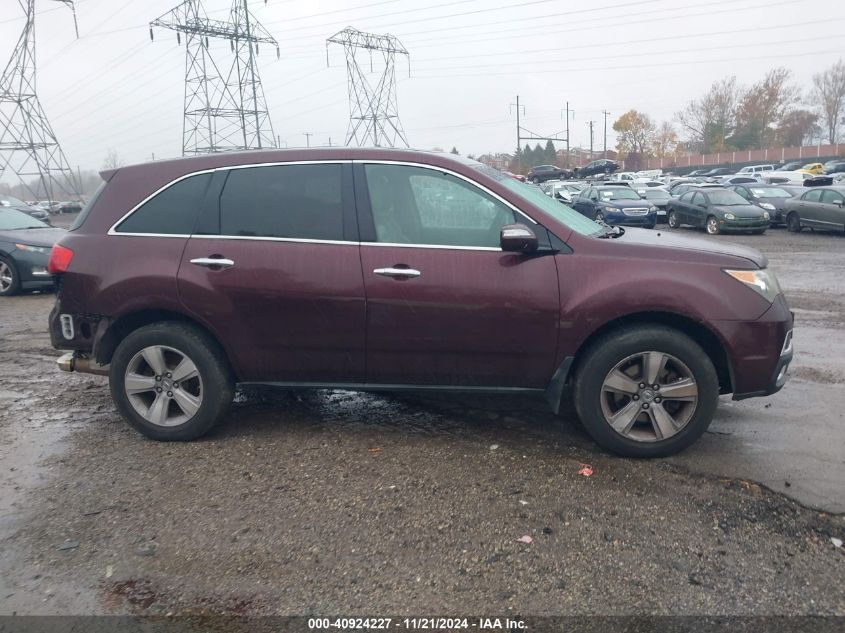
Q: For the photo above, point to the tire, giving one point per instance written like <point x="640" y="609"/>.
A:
<point x="672" y="219"/>
<point x="194" y="406"/>
<point x="599" y="217"/>
<point x="10" y="281"/>
<point x="711" y="225"/>
<point x="594" y="403"/>
<point x="535" y="180"/>
<point x="793" y="222"/>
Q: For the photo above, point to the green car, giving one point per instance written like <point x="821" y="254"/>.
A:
<point x="716" y="211"/>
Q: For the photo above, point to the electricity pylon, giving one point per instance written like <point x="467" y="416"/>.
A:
<point x="225" y="107"/>
<point x="373" y="110"/>
<point x="28" y="145"/>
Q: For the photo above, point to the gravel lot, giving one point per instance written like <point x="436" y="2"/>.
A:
<point x="348" y="503"/>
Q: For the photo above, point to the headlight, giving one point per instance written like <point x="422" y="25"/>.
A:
<point x="652" y="209"/>
<point x="763" y="282"/>
<point x="32" y="249"/>
<point x="767" y="205"/>
<point x="765" y="215"/>
<point x="730" y="216"/>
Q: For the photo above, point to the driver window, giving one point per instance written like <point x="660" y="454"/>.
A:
<point x="415" y="205"/>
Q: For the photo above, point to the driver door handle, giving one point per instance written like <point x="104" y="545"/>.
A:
<point x="213" y="262"/>
<point x="397" y="272"/>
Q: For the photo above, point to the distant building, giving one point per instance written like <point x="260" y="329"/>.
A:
<point x="497" y="161"/>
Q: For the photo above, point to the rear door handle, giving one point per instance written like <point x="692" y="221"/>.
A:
<point x="397" y="272"/>
<point x="212" y="262"/>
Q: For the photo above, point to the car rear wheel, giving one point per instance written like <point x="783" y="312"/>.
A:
<point x="793" y="222"/>
<point x="712" y="226"/>
<point x="10" y="283"/>
<point x="673" y="220"/>
<point x="645" y="391"/>
<point x="171" y="381"/>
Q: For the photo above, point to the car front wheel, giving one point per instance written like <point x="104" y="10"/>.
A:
<point x="793" y="222"/>
<point x="171" y="381"/>
<point x="673" y="220"/>
<point x="712" y="226"/>
<point x="645" y="391"/>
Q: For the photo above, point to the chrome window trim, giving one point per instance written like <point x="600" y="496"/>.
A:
<point x="451" y="172"/>
<point x="436" y="246"/>
<point x="261" y="238"/>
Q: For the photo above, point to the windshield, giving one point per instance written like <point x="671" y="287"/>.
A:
<point x="551" y="207"/>
<point x="621" y="193"/>
<point x="9" y="201"/>
<point x="10" y="220"/>
<point x="770" y="192"/>
<point x="657" y="194"/>
<point x="726" y="198"/>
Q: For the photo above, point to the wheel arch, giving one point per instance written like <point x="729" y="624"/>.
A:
<point x="109" y="337"/>
<point x="696" y="330"/>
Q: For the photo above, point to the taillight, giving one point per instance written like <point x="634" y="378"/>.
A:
<point x="60" y="258"/>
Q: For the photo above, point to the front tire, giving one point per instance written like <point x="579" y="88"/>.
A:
<point x="645" y="391"/>
<point x="711" y="225"/>
<point x="793" y="222"/>
<point x="672" y="220"/>
<point x="171" y="381"/>
<point x="10" y="281"/>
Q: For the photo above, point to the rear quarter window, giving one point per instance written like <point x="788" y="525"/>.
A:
<point x="171" y="211"/>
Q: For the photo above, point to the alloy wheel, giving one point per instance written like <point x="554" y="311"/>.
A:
<point x="712" y="226"/>
<point x="163" y="385"/>
<point x="599" y="216"/>
<point x="673" y="220"/>
<point x="649" y="397"/>
<point x="6" y="277"/>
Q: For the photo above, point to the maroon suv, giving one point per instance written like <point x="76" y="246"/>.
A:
<point x="400" y="270"/>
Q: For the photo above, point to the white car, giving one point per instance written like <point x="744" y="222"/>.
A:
<point x="756" y="170"/>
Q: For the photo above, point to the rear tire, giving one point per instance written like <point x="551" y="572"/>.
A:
<point x="652" y="434"/>
<point x="793" y="222"/>
<point x="10" y="281"/>
<point x="148" y="393"/>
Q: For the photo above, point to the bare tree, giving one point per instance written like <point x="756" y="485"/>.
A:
<point x="762" y="108"/>
<point x="112" y="160"/>
<point x="665" y="140"/>
<point x="829" y="91"/>
<point x="708" y="121"/>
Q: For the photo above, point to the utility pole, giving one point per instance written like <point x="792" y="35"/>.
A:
<point x="591" y="139"/>
<point x="307" y="136"/>
<point x="225" y="108"/>
<point x="518" y="127"/>
<point x="605" y="113"/>
<point x="28" y="146"/>
<point x="373" y="111"/>
<point x="567" y="131"/>
<point x="330" y="141"/>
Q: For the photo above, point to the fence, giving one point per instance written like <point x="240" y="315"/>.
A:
<point x="772" y="155"/>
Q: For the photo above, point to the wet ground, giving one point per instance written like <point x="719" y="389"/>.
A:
<point x="345" y="503"/>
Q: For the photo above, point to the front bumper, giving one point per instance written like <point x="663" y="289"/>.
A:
<point x="743" y="225"/>
<point x="621" y="219"/>
<point x="32" y="268"/>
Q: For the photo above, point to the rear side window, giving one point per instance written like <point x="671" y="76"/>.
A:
<point x="172" y="211"/>
<point x="292" y="201"/>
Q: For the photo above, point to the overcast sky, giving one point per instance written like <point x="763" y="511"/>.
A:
<point x="114" y="88"/>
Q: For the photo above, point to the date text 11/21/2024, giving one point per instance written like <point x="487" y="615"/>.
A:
<point x="417" y="624"/>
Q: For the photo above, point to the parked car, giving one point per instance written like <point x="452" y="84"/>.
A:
<point x="737" y="180"/>
<point x="815" y="169"/>
<point x="681" y="189"/>
<point x="71" y="206"/>
<point x="752" y="170"/>
<point x="771" y="198"/>
<point x="791" y="166"/>
<point x="834" y="167"/>
<point x="717" y="210"/>
<point x="818" y="208"/>
<point x="561" y="191"/>
<point x="659" y="198"/>
<point x="615" y="205"/>
<point x="601" y="166"/>
<point x="13" y="203"/>
<point x="718" y="171"/>
<point x="25" y="245"/>
<point x="697" y="172"/>
<point x="376" y="269"/>
<point x="541" y="173"/>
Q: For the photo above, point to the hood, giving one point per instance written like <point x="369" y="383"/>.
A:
<point x="34" y="237"/>
<point x="740" y="210"/>
<point x="670" y="239"/>
<point x="777" y="203"/>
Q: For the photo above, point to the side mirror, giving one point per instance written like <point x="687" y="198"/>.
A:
<point x="517" y="238"/>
